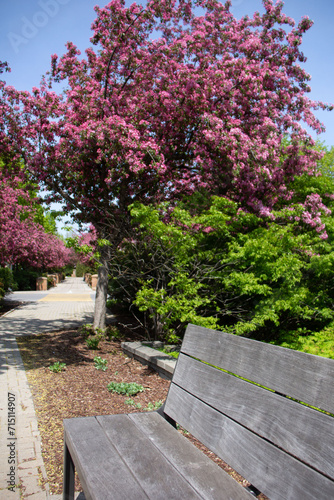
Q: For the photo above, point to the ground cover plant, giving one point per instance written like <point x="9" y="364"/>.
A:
<point x="57" y="367"/>
<point x="127" y="388"/>
<point x="100" y="363"/>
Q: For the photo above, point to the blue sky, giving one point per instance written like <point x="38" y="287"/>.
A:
<point x="32" y="30"/>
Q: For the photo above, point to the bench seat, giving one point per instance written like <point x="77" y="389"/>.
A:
<point x="267" y="411"/>
<point x="125" y="447"/>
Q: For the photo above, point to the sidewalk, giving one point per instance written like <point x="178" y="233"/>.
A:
<point x="68" y="305"/>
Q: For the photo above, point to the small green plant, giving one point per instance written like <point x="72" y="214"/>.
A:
<point x="93" y="342"/>
<point x="153" y="406"/>
<point x="127" y="388"/>
<point x="99" y="331"/>
<point x="57" y="367"/>
<point x="86" y="330"/>
<point x="149" y="407"/>
<point x="113" y="333"/>
<point x="131" y="402"/>
<point x="100" y="364"/>
<point x="165" y="350"/>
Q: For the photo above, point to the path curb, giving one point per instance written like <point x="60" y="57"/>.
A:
<point x="162" y="363"/>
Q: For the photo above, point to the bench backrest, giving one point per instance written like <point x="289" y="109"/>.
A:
<point x="252" y="417"/>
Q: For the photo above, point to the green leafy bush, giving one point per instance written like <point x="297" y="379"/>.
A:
<point x="319" y="343"/>
<point x="25" y="278"/>
<point x="127" y="388"/>
<point x="210" y="262"/>
<point x="7" y="279"/>
<point x="82" y="269"/>
<point x="228" y="269"/>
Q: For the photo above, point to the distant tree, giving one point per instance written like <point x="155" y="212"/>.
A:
<point x="27" y="232"/>
<point x="22" y="240"/>
<point x="167" y="102"/>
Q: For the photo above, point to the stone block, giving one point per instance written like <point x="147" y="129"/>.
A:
<point x="94" y="281"/>
<point x="41" y="284"/>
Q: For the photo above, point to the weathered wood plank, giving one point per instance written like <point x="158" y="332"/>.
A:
<point x="303" y="432"/>
<point x="305" y="377"/>
<point x="272" y="471"/>
<point x="102" y="472"/>
<point x="152" y="471"/>
<point x="206" y="477"/>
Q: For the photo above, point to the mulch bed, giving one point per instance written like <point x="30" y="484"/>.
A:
<point x="81" y="390"/>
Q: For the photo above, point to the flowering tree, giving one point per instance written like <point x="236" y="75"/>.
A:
<point x="22" y="240"/>
<point x="165" y="103"/>
<point x="85" y="247"/>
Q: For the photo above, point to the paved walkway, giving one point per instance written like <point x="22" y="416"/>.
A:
<point x="69" y="304"/>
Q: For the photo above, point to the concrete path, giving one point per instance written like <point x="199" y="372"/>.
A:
<point x="70" y="304"/>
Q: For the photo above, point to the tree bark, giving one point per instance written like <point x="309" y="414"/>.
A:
<point x="102" y="290"/>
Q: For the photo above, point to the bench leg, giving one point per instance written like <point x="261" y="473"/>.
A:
<point x="68" y="486"/>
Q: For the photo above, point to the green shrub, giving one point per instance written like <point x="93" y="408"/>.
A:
<point x="7" y="279"/>
<point x="82" y="269"/>
<point x="25" y="278"/>
<point x="318" y="343"/>
<point x="86" y="330"/>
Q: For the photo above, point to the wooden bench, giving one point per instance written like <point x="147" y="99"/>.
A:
<point x="281" y="446"/>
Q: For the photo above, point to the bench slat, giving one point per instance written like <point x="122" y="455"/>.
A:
<point x="305" y="377"/>
<point x="101" y="470"/>
<point x="143" y="456"/>
<point x="303" y="432"/>
<point x="272" y="471"/>
<point x="206" y="477"/>
<point x="150" y="468"/>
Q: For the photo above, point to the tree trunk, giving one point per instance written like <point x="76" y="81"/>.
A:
<point x="102" y="290"/>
